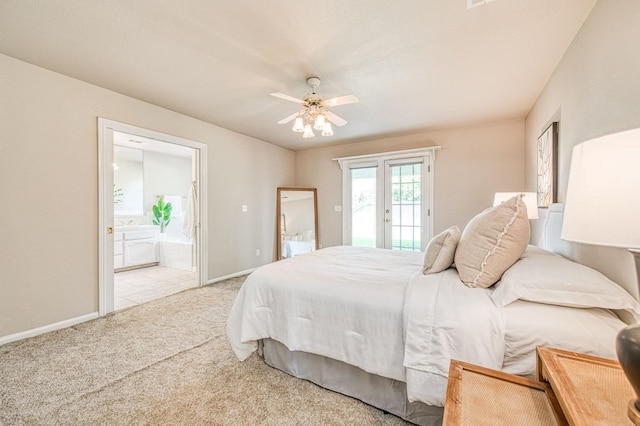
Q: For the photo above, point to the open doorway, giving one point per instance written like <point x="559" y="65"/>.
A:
<point x="151" y="198"/>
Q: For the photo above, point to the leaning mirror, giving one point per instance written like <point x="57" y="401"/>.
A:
<point x="297" y="221"/>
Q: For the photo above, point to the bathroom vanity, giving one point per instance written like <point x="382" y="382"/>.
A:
<point x="134" y="246"/>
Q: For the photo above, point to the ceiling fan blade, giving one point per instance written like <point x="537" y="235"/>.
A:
<point x="288" y="119"/>
<point x="287" y="97"/>
<point x="341" y="100"/>
<point x="338" y="121"/>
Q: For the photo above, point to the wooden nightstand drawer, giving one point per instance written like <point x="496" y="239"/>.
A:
<point x="479" y="396"/>
<point x="590" y="390"/>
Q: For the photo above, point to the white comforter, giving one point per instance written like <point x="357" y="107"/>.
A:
<point x="444" y="320"/>
<point x="341" y="302"/>
<point x="349" y="304"/>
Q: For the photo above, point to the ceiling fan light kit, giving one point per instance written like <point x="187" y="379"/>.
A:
<point x="313" y="114"/>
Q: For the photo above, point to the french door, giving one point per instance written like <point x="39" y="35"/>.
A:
<point x="387" y="203"/>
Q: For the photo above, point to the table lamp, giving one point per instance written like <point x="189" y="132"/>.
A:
<point x="530" y="200"/>
<point x="602" y="207"/>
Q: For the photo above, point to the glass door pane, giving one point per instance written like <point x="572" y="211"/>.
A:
<point x="404" y="192"/>
<point x="363" y="207"/>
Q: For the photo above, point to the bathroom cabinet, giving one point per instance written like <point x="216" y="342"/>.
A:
<point x="135" y="248"/>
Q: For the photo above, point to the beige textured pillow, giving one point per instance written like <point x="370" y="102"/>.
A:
<point x="491" y="242"/>
<point x="440" y="251"/>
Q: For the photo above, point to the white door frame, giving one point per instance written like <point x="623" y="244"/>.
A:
<point x="380" y="160"/>
<point x="105" y="204"/>
<point x="425" y="196"/>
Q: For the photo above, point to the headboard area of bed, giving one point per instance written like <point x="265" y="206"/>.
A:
<point x="616" y="263"/>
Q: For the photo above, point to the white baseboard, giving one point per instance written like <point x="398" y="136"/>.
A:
<point x="234" y="275"/>
<point x="47" y="328"/>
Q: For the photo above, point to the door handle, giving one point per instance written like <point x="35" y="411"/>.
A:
<point x="387" y="220"/>
<point x="110" y="230"/>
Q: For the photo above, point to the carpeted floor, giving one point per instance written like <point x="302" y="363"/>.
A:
<point x="166" y="362"/>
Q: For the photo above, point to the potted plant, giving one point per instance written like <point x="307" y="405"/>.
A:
<point x="162" y="214"/>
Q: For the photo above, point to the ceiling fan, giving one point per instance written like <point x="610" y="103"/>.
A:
<point x="313" y="114"/>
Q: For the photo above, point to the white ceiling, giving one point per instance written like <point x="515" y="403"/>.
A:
<point x="416" y="65"/>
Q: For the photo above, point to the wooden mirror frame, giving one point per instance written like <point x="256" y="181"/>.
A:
<point x="279" y="233"/>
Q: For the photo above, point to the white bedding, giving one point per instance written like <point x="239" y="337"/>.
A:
<point x="444" y="320"/>
<point x="374" y="309"/>
<point x="341" y="302"/>
<point x="292" y="248"/>
<point x="532" y="324"/>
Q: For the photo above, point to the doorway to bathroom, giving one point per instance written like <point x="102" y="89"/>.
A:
<point x="151" y="199"/>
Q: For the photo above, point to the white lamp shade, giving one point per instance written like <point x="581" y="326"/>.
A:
<point x="603" y="196"/>
<point x="530" y="200"/>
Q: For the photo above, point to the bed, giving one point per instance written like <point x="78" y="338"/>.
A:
<point x="295" y="247"/>
<point x="369" y="323"/>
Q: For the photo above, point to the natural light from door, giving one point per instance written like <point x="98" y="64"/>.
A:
<point x="406" y="224"/>
<point x="363" y="207"/>
<point x="387" y="199"/>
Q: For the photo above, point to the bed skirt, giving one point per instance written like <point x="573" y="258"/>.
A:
<point x="383" y="393"/>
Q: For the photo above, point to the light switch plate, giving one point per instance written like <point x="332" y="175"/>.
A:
<point x="337" y="208"/>
<point x="244" y="208"/>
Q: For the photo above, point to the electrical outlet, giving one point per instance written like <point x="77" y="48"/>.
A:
<point x="337" y="208"/>
<point x="257" y="252"/>
<point x="244" y="208"/>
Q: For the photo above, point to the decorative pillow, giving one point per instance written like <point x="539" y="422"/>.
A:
<point x="492" y="242"/>
<point x="440" y="251"/>
<point x="544" y="277"/>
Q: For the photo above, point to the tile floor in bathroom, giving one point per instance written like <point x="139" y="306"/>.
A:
<point x="145" y="284"/>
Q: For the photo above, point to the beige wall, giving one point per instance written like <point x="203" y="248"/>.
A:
<point x="594" y="91"/>
<point x="49" y="187"/>
<point x="473" y="164"/>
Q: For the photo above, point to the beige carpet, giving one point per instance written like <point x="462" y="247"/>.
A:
<point x="166" y="362"/>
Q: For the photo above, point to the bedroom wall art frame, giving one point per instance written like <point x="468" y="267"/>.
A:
<point x="547" y="150"/>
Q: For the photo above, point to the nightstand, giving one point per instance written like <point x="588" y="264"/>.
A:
<point x="572" y="388"/>
<point x="590" y="390"/>
<point x="480" y="396"/>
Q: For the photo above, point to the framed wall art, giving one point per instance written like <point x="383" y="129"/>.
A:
<point x="548" y="165"/>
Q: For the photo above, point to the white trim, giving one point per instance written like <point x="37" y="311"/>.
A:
<point x="48" y="328"/>
<point x="426" y="156"/>
<point x="234" y="275"/>
<point x="105" y="220"/>
<point x="416" y="152"/>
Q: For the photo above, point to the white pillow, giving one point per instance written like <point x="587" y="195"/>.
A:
<point x="527" y="325"/>
<point x="544" y="277"/>
<point x="440" y="251"/>
<point x="491" y="242"/>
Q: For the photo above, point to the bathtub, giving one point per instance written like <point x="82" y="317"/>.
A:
<point x="176" y="254"/>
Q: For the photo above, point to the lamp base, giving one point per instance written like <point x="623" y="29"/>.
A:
<point x="633" y="413"/>
<point x="628" y="351"/>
